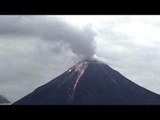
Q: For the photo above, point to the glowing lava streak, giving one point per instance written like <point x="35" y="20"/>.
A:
<point x="70" y="70"/>
<point x="80" y="68"/>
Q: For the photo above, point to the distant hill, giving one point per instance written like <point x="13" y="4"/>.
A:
<point x="3" y="100"/>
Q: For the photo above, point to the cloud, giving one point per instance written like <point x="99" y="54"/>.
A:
<point x="51" y="29"/>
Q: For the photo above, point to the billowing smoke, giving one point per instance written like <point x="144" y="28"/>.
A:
<point x="53" y="30"/>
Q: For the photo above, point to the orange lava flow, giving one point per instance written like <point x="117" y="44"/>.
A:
<point x="80" y="68"/>
<point x="70" y="70"/>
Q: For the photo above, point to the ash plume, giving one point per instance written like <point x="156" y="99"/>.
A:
<point x="52" y="30"/>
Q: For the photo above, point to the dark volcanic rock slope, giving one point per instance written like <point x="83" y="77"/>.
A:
<point x="90" y="82"/>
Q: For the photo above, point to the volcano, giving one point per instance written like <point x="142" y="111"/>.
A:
<point x="90" y="82"/>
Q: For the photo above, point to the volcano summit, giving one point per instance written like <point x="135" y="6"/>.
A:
<point x="90" y="82"/>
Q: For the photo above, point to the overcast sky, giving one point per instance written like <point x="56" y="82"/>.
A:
<point x="36" y="49"/>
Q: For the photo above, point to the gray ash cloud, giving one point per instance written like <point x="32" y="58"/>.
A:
<point x="53" y="30"/>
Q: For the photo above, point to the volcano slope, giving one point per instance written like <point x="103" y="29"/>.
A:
<point x="90" y="82"/>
